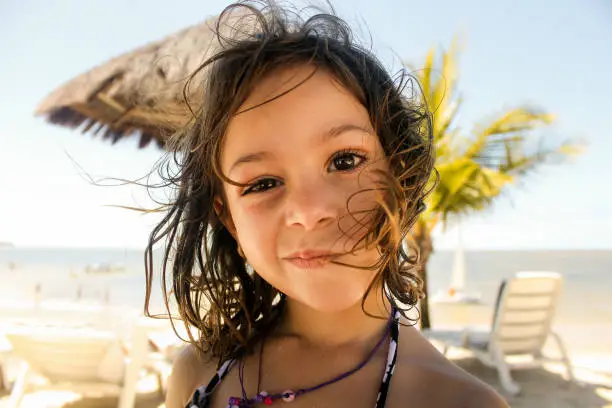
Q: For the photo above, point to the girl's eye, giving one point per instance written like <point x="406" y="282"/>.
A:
<point x="261" y="186"/>
<point x="342" y="161"/>
<point x="346" y="161"/>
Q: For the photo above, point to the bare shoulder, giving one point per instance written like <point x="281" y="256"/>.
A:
<point x="427" y="379"/>
<point x="189" y="370"/>
<point x="459" y="387"/>
<point x="485" y="396"/>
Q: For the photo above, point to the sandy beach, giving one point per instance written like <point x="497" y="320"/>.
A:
<point x="542" y="387"/>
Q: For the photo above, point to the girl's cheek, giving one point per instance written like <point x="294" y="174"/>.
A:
<point x="255" y="219"/>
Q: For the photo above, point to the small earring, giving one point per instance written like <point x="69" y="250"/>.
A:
<point x="240" y="252"/>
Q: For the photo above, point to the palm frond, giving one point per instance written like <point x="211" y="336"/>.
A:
<point x="465" y="186"/>
<point x="509" y="127"/>
<point x="438" y="86"/>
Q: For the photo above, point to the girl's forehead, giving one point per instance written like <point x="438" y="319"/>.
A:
<point x="281" y="81"/>
<point x="294" y="103"/>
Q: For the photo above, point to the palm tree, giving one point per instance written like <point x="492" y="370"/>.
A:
<point x="476" y="168"/>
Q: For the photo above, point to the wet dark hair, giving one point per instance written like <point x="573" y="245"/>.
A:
<point x="231" y="306"/>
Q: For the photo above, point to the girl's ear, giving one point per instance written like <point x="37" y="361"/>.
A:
<point x="224" y="216"/>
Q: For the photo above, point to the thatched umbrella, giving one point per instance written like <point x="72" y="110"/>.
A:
<point x="140" y="92"/>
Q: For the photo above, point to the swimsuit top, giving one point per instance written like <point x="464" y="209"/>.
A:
<point x="202" y="396"/>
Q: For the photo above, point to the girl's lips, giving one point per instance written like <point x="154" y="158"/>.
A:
<point x="310" y="253"/>
<point x="310" y="259"/>
<point x="310" y="263"/>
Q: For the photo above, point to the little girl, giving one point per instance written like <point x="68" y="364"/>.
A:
<point x="304" y="168"/>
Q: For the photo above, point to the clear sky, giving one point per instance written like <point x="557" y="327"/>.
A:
<point x="556" y="54"/>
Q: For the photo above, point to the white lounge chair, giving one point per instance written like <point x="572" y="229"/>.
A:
<point x="521" y="325"/>
<point x="78" y="358"/>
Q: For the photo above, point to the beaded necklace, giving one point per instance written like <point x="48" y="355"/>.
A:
<point x="290" y="395"/>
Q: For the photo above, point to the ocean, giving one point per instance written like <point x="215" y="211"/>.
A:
<point x="585" y="303"/>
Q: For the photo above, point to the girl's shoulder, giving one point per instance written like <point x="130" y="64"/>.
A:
<point x="428" y="379"/>
<point x="190" y="370"/>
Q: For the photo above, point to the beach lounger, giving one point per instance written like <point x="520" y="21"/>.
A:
<point x="79" y="358"/>
<point x="522" y="323"/>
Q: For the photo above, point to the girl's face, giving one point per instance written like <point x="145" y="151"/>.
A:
<point x="303" y="156"/>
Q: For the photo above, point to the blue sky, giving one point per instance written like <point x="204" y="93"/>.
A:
<point x="557" y="55"/>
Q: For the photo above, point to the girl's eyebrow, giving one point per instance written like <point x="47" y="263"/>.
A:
<point x="336" y="131"/>
<point x="329" y="134"/>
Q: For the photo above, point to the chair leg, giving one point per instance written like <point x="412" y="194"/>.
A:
<point x="503" y="373"/>
<point x="3" y="380"/>
<point x="564" y="357"/>
<point x="160" y="385"/>
<point x="19" y="386"/>
<point x="138" y="355"/>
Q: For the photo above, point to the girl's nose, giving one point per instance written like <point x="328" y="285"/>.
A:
<point x="312" y="205"/>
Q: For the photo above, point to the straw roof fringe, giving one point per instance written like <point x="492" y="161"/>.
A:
<point x="140" y="92"/>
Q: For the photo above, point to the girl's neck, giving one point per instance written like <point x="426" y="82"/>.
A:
<point x="350" y="327"/>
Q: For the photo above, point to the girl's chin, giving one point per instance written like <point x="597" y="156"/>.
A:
<point x="329" y="306"/>
<point x="329" y="295"/>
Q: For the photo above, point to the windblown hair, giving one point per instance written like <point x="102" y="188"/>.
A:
<point x="231" y="306"/>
